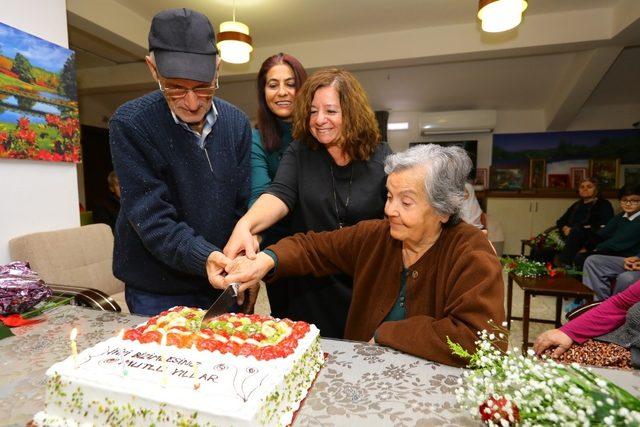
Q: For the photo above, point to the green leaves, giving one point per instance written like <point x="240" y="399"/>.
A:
<point x="457" y="349"/>
<point x="5" y="331"/>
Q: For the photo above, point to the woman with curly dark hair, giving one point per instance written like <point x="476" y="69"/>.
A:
<point x="331" y="176"/>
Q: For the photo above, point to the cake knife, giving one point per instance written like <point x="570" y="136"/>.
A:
<point x="226" y="303"/>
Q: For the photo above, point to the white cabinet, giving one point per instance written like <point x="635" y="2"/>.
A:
<point x="522" y="218"/>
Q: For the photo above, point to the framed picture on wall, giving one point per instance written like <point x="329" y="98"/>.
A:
<point x="558" y="180"/>
<point x="629" y="175"/>
<point x="577" y="175"/>
<point x="482" y="177"/>
<point x="507" y="178"/>
<point x="606" y="171"/>
<point x="537" y="173"/>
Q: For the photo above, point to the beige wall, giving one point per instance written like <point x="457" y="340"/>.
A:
<point x="36" y="195"/>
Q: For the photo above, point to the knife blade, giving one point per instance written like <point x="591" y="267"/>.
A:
<point x="226" y="303"/>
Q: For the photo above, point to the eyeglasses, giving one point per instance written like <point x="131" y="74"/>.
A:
<point x="630" y="202"/>
<point x="179" y="93"/>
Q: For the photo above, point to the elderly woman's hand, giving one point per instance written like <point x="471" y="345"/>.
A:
<point x="552" y="338"/>
<point x="248" y="272"/>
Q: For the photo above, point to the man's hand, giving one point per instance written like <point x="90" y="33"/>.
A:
<point x="242" y="241"/>
<point x="632" y="263"/>
<point x="566" y="230"/>
<point x="552" y="338"/>
<point x="216" y="263"/>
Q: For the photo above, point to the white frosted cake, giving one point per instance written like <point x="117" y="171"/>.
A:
<point x="235" y="370"/>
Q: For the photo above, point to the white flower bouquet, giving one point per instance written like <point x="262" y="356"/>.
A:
<point x="511" y="388"/>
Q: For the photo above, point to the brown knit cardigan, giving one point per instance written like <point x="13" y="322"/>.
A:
<point x="452" y="290"/>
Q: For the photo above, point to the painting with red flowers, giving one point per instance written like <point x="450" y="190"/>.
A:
<point x="38" y="99"/>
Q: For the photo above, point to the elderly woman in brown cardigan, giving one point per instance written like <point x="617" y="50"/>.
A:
<point x="419" y="276"/>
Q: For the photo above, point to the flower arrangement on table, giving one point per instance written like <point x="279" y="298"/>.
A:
<point x="511" y="388"/>
<point x="525" y="267"/>
<point x="548" y="241"/>
<point x="23" y="295"/>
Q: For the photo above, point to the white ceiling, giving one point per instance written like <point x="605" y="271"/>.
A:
<point x="410" y="55"/>
<point x="275" y="22"/>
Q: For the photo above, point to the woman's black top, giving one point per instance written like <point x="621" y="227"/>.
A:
<point x="320" y="195"/>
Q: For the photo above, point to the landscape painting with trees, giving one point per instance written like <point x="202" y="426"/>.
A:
<point x="563" y="151"/>
<point x="38" y="99"/>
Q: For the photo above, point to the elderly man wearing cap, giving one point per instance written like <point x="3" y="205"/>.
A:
<point x="182" y="157"/>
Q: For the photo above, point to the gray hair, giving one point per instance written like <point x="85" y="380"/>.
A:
<point x="447" y="171"/>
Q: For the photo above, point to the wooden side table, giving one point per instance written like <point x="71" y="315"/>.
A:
<point x="558" y="287"/>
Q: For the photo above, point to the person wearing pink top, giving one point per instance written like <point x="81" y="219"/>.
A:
<point x="615" y="320"/>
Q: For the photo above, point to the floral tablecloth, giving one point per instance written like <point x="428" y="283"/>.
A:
<point x="360" y="384"/>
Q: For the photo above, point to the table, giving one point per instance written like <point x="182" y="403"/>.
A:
<point x="360" y="384"/>
<point x="559" y="287"/>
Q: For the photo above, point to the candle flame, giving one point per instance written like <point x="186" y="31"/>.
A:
<point x="73" y="334"/>
<point x="163" y="341"/>
<point x="121" y="334"/>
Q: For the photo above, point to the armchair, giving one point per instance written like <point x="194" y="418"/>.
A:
<point x="74" y="262"/>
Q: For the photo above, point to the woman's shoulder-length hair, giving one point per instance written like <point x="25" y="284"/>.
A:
<point x="267" y="125"/>
<point x="360" y="132"/>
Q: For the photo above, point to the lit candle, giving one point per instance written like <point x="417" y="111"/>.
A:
<point x="163" y="357"/>
<point x="196" y="365"/>
<point x="123" y="365"/>
<point x="74" y="347"/>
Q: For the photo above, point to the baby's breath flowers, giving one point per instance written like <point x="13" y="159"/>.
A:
<point x="511" y="388"/>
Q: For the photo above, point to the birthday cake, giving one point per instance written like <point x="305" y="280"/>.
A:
<point x="232" y="370"/>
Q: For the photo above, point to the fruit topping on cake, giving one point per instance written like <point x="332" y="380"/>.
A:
<point x="262" y="337"/>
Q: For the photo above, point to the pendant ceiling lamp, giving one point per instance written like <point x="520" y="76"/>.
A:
<point x="500" y="15"/>
<point x="234" y="41"/>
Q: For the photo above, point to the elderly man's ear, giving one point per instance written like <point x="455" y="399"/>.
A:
<point x="152" y="67"/>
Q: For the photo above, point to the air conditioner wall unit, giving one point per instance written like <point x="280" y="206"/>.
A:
<point x="463" y="121"/>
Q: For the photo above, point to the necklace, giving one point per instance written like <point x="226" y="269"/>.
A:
<point x="341" y="220"/>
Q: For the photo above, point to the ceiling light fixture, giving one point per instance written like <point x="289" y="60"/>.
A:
<point x="234" y="41"/>
<point x="398" y="126"/>
<point x="500" y="15"/>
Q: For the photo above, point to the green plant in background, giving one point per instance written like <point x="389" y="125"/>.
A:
<point x="524" y="267"/>
<point x="549" y="241"/>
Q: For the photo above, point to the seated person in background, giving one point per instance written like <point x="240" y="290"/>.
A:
<point x="107" y="210"/>
<point x="470" y="211"/>
<point x="616" y="321"/>
<point x="419" y="276"/>
<point x="600" y="270"/>
<point x="621" y="235"/>
<point x="580" y="223"/>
